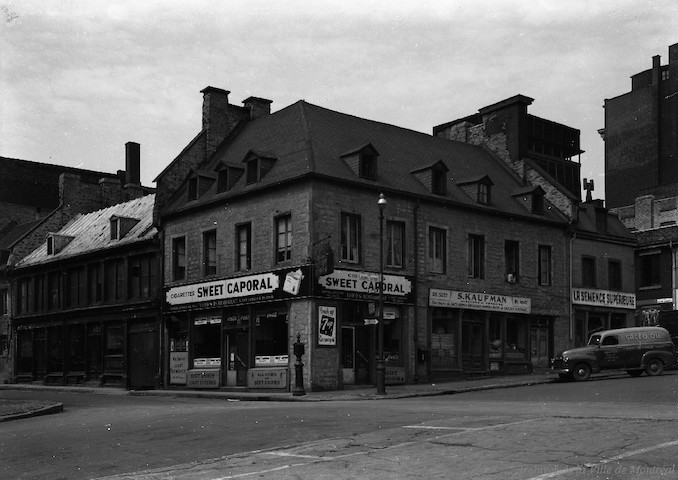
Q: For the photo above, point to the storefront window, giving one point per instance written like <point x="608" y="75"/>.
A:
<point x="392" y="336"/>
<point x="516" y="338"/>
<point x="496" y="338"/>
<point x="76" y="348"/>
<point x="55" y="350"/>
<point x="444" y="328"/>
<point x="206" y="341"/>
<point x="94" y="350"/>
<point x="271" y="335"/>
<point x="25" y="351"/>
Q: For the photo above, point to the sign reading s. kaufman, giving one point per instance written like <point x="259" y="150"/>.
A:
<point x="365" y="286"/>
<point x="230" y="291"/>
<point x="603" y="298"/>
<point x="479" y="301"/>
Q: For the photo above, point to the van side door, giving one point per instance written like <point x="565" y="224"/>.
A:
<point x="610" y="352"/>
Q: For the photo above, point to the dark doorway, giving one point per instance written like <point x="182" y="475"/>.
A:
<point x="143" y="356"/>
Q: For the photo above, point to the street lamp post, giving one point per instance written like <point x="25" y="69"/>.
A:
<point x="381" y="369"/>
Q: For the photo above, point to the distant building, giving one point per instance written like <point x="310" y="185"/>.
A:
<point x="87" y="301"/>
<point x="37" y="199"/>
<point x="641" y="136"/>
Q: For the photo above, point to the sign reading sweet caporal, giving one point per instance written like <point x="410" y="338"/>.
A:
<point x="262" y="286"/>
<point x="365" y="286"/>
<point x="479" y="301"/>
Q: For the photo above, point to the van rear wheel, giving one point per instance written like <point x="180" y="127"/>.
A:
<point x="581" y="372"/>
<point x="654" y="367"/>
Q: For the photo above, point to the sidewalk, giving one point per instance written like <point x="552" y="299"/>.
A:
<point x="353" y="393"/>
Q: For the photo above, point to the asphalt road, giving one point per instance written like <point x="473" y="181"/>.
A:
<point x="608" y="428"/>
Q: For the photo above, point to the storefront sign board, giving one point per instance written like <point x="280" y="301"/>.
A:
<point x="203" y="378"/>
<point x="395" y="375"/>
<point x="239" y="290"/>
<point x="267" y="378"/>
<point x="354" y="285"/>
<point x="479" y="301"/>
<point x="178" y="367"/>
<point x="603" y="298"/>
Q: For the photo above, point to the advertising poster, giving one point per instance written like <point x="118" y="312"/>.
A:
<point x="327" y="326"/>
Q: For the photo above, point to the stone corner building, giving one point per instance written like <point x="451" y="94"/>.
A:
<point x="270" y="232"/>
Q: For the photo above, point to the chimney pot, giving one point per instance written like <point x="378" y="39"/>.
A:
<point x="132" y="163"/>
<point x="258" y="107"/>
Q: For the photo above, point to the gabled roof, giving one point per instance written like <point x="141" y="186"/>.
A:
<point x="91" y="232"/>
<point x="308" y="139"/>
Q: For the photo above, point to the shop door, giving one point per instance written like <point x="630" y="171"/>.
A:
<point x="238" y="356"/>
<point x="143" y="356"/>
<point x="539" y="347"/>
<point x="356" y="365"/>
<point x="472" y="352"/>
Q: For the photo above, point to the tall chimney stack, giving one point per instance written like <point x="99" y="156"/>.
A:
<point x="215" y="121"/>
<point x="132" y="163"/>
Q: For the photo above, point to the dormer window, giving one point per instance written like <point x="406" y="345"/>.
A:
<point x="532" y="198"/>
<point x="258" y="164"/>
<point x="433" y="177"/>
<point x="479" y="189"/>
<point x="362" y="161"/>
<point x="197" y="185"/>
<point x="193" y="188"/>
<point x="120" y="226"/>
<point x="56" y="243"/>
<point x="227" y="177"/>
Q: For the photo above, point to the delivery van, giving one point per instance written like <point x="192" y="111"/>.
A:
<point x="636" y="350"/>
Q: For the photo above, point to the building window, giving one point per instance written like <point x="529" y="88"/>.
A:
<point x="244" y="244"/>
<point x="614" y="275"/>
<point x="350" y="237"/>
<point x="222" y="180"/>
<point x="3" y="302"/>
<point x="476" y="256"/>
<point x="483" y="193"/>
<point x="588" y="272"/>
<point x="511" y="260"/>
<point x="437" y="245"/>
<point x="649" y="269"/>
<point x="143" y="274"/>
<point x="544" y="265"/>
<point x="179" y="258"/>
<point x="283" y="244"/>
<point x="95" y="281"/>
<point x="24" y="291"/>
<point x="54" y="290"/>
<point x="252" y="170"/>
<point x="50" y="246"/>
<point x="395" y="244"/>
<point x="114" y="280"/>
<point x="209" y="253"/>
<point x="438" y="181"/>
<point x="368" y="166"/>
<point x="193" y="188"/>
<point x="76" y="288"/>
<point x="115" y="228"/>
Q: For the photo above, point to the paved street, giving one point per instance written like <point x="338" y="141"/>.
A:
<point x="614" y="427"/>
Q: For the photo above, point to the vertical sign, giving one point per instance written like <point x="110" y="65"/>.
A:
<point x="178" y="367"/>
<point x="327" y="326"/>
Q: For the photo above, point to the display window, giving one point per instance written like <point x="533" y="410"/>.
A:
<point x="271" y="346"/>
<point x="517" y="336"/>
<point x="207" y="341"/>
<point x="444" y="331"/>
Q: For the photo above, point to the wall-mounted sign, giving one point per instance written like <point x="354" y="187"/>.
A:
<point x="603" y="298"/>
<point x="395" y="375"/>
<point x="327" y="326"/>
<point x="479" y="301"/>
<point x="353" y="285"/>
<point x="275" y="285"/>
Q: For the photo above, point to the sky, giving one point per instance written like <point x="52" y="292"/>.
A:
<point x="80" y="78"/>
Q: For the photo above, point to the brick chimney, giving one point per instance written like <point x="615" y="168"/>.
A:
<point x="258" y="107"/>
<point x="215" y="118"/>
<point x="132" y="163"/>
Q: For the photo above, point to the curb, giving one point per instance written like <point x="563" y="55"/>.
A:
<point x="54" y="408"/>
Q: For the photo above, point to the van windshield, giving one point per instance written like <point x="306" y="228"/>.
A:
<point x="594" y="340"/>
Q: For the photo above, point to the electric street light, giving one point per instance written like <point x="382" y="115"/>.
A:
<point x="381" y="369"/>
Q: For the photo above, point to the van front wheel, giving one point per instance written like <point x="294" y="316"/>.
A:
<point x="581" y="372"/>
<point x="654" y="367"/>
